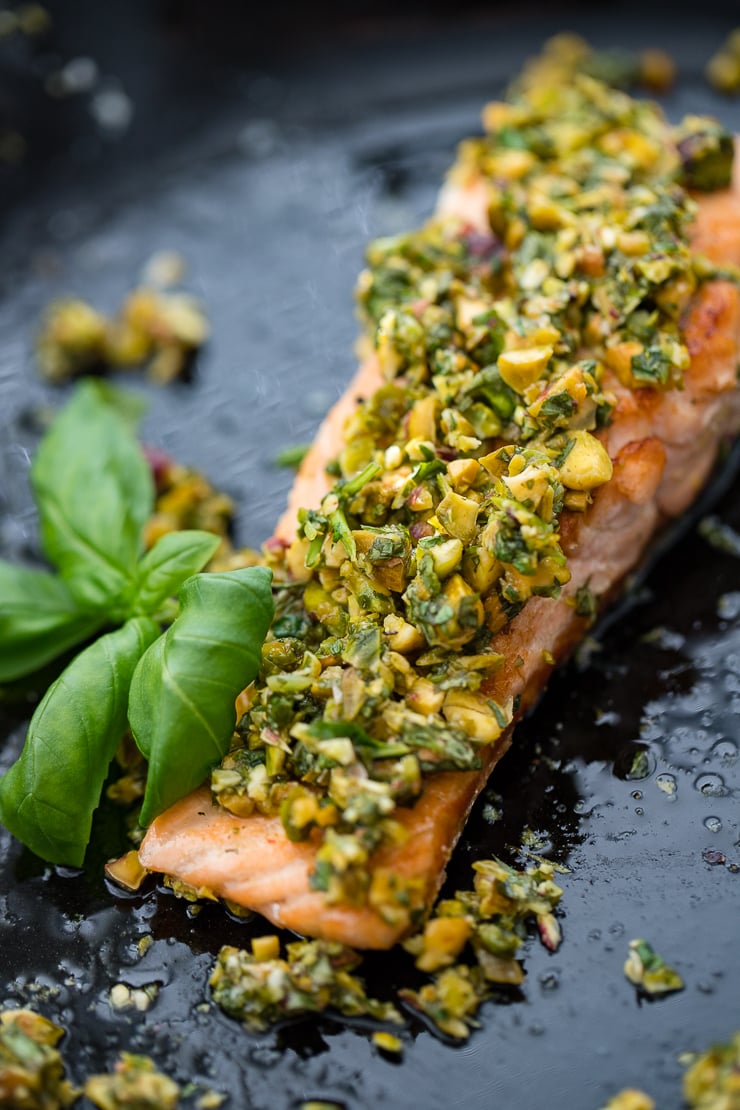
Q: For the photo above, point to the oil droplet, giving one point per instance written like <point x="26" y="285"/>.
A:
<point x="713" y="786"/>
<point x="725" y="750"/>
<point x="549" y="980"/>
<point x="636" y="794"/>
<point x="667" y="783"/>
<point x="713" y="824"/>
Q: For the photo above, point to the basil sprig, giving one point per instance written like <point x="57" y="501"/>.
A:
<point x="94" y="493"/>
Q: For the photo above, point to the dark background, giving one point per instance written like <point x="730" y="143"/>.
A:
<point x="268" y="144"/>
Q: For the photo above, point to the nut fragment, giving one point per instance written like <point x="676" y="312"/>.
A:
<point x="587" y="465"/>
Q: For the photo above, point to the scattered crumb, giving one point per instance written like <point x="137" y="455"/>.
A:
<point x="134" y="1082"/>
<point x="388" y="1042"/>
<point x="122" y="997"/>
<point x="719" y="535"/>
<point x="649" y="972"/>
<point x="723" y="68"/>
<point x="630" y="1099"/>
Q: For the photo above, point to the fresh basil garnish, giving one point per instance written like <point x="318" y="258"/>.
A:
<point x="39" y="620"/>
<point x="173" y="558"/>
<point x="181" y="708"/>
<point x="48" y="796"/>
<point x="94" y="492"/>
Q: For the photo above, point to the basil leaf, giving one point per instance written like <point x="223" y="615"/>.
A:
<point x="39" y="619"/>
<point x="163" y="570"/>
<point x="94" y="492"/>
<point x="48" y="796"/>
<point x="181" y="708"/>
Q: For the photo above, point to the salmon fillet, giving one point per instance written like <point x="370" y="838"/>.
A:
<point x="663" y="445"/>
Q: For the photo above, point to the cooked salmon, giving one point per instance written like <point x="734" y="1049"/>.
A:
<point x="663" y="445"/>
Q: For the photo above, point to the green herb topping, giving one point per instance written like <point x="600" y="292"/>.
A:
<point x="134" y="1082"/>
<point x="712" y="1081"/>
<point x="492" y="921"/>
<point x="500" y="350"/>
<point x="31" y="1067"/>
<point x="260" y="987"/>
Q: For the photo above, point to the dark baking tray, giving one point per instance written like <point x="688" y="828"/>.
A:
<point x="268" y="149"/>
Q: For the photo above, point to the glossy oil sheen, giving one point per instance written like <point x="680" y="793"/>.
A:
<point x="269" y="174"/>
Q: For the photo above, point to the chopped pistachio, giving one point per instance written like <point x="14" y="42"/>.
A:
<point x="491" y="920"/>
<point x="463" y="473"/>
<point x="649" y="971"/>
<point x="458" y="516"/>
<point x="446" y="555"/>
<point x="210" y="1100"/>
<point x="134" y="1082"/>
<point x="475" y="715"/>
<point x="144" y="944"/>
<point x="321" y="1104"/>
<point x="712" y="1081"/>
<point x="719" y="535"/>
<point x="425" y="697"/>
<point x="630" y="1099"/>
<point x="587" y="464"/>
<point x="403" y="637"/>
<point x="723" y="71"/>
<point x="33" y="1025"/>
<point x="522" y="368"/>
<point x="266" y="948"/>
<point x="451" y="1000"/>
<point x="127" y="871"/>
<point x="31" y="1068"/>
<point x="71" y="340"/>
<point x="186" y="499"/>
<point x="723" y="68"/>
<point x="657" y="70"/>
<point x="314" y="976"/>
<point x="189" y="893"/>
<point x="388" y="1042"/>
<point x="161" y="327"/>
<point x="443" y="940"/>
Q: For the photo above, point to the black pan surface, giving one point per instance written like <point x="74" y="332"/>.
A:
<point x="268" y="151"/>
